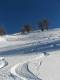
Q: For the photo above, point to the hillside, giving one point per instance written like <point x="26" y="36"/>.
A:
<point x="30" y="56"/>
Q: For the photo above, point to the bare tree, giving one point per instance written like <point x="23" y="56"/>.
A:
<point x="2" y="31"/>
<point x="43" y="24"/>
<point x="26" y="28"/>
<point x="40" y="25"/>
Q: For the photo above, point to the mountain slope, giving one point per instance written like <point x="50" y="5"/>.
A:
<point x="26" y="49"/>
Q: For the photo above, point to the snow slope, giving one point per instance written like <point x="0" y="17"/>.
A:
<point x="49" y="69"/>
<point x="30" y="51"/>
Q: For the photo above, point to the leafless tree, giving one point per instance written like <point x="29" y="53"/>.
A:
<point x="26" y="28"/>
<point x="2" y="31"/>
<point x="43" y="24"/>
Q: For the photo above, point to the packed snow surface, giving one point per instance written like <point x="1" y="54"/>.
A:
<point x="30" y="56"/>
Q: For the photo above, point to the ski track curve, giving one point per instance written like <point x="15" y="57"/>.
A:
<point x="23" y="72"/>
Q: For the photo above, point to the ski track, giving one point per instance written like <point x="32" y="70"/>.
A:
<point x="23" y="72"/>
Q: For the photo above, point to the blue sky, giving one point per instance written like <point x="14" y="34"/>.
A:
<point x="15" y="13"/>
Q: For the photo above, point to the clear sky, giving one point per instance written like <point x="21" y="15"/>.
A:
<point x="15" y="13"/>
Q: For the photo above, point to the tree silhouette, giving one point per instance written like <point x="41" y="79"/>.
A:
<point x="40" y="25"/>
<point x="2" y="31"/>
<point x="43" y="24"/>
<point x="26" y="28"/>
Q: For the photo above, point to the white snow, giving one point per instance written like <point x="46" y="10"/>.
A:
<point x="49" y="69"/>
<point x="30" y="56"/>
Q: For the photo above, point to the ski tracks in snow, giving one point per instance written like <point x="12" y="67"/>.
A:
<point x="22" y="72"/>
